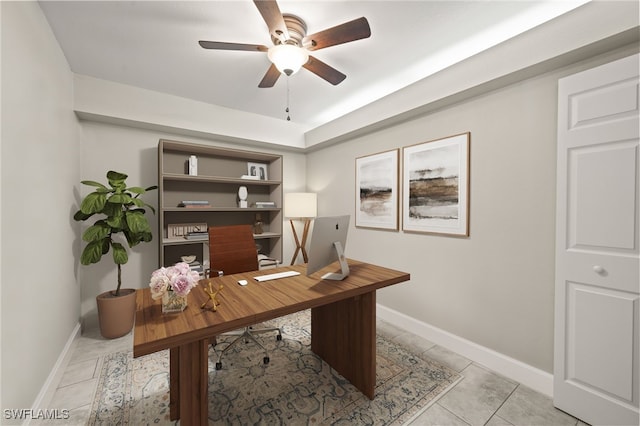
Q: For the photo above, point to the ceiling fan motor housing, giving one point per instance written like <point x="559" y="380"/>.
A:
<point x="297" y="31"/>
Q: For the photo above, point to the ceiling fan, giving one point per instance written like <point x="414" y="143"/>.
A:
<point x="291" y="44"/>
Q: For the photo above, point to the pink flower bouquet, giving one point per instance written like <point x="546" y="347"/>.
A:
<point x="178" y="278"/>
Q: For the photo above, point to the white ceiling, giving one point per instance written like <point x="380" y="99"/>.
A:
<point x="154" y="45"/>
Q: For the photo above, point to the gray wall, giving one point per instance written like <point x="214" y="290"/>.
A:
<point x="40" y="174"/>
<point x="496" y="287"/>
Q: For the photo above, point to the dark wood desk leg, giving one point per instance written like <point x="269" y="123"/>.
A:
<point x="174" y="383"/>
<point x="344" y="335"/>
<point x="193" y="383"/>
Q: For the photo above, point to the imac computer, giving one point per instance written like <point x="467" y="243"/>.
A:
<point x="328" y="240"/>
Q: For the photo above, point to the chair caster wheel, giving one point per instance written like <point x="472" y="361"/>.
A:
<point x="265" y="360"/>
<point x="279" y="337"/>
<point x="218" y="366"/>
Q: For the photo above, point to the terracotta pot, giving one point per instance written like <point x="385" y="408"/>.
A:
<point x="116" y="313"/>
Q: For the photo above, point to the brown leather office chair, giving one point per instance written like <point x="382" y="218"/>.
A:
<point x="232" y="250"/>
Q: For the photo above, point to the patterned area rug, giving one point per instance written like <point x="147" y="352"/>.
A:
<point x="296" y="387"/>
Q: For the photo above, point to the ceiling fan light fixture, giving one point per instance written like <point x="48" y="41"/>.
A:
<point x="288" y="58"/>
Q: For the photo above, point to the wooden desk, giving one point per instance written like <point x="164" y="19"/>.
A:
<point x="343" y="326"/>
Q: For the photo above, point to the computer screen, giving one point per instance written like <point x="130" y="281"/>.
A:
<point x="328" y="241"/>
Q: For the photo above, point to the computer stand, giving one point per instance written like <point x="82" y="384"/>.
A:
<point x="344" y="266"/>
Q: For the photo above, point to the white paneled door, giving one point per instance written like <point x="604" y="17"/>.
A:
<point x="597" y="304"/>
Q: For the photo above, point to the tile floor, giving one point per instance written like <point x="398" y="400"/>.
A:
<point x="480" y="398"/>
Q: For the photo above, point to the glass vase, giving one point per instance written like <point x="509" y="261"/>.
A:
<point x="172" y="302"/>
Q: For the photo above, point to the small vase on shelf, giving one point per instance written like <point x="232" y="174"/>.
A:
<point x="172" y="302"/>
<point x="257" y="226"/>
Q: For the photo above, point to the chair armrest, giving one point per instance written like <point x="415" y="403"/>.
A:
<point x="211" y="273"/>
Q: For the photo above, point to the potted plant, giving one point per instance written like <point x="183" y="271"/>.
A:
<point x="123" y="213"/>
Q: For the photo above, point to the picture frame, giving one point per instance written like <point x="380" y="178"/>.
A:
<point x="436" y="186"/>
<point x="258" y="169"/>
<point x="376" y="195"/>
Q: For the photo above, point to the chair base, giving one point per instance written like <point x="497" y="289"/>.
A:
<point x="248" y="335"/>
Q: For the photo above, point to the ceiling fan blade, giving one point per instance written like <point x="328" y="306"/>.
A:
<point x="270" y="77"/>
<point x="324" y="71"/>
<point x="343" y="33"/>
<point x="273" y="17"/>
<point x="221" y="45"/>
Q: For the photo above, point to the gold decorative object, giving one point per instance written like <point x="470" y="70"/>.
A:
<point x="213" y="296"/>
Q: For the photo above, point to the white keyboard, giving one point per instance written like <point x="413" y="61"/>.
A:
<point x="276" y="276"/>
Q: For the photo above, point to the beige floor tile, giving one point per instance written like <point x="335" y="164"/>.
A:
<point x="436" y="415"/>
<point x="478" y="395"/>
<point x="528" y="407"/>
<point x="448" y="358"/>
<point x="80" y="371"/>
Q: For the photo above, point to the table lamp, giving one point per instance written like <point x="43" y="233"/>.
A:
<point x="300" y="206"/>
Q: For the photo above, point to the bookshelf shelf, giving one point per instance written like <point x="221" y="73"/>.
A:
<point x="219" y="177"/>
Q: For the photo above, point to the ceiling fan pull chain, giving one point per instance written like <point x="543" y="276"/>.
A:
<point x="287" y="109"/>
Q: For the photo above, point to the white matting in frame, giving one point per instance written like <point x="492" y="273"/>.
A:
<point x="436" y="186"/>
<point x="377" y="190"/>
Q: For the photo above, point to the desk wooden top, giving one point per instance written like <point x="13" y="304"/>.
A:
<point x="241" y="306"/>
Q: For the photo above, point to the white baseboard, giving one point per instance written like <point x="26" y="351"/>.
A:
<point x="532" y="377"/>
<point x="53" y="380"/>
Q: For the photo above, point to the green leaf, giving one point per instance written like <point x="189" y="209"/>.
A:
<point x="137" y="222"/>
<point x="116" y="222"/>
<point x="93" y="203"/>
<point x="106" y="244"/>
<point x="113" y="210"/>
<point x="92" y="253"/>
<point x="78" y="216"/>
<point x="120" y="256"/>
<point x="96" y="232"/>
<point x="117" y="180"/>
<point x="123" y="198"/>
<point x="93" y="183"/>
<point x="136" y="190"/>
<point x="116" y="176"/>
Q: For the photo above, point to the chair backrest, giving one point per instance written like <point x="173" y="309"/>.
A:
<point x="232" y="249"/>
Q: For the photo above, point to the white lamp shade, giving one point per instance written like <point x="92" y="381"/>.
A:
<point x="300" y="204"/>
<point x="287" y="58"/>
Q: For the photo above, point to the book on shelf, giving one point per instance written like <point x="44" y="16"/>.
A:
<point x="179" y="230"/>
<point x="195" y="265"/>
<point x="193" y="202"/>
<point x="265" y="204"/>
<point x="195" y="206"/>
<point x="196" y="235"/>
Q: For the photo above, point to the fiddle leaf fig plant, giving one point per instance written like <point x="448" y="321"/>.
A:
<point x="123" y="211"/>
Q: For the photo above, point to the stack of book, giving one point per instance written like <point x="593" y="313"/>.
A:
<point x="196" y="266"/>
<point x="194" y="204"/>
<point x="265" y="204"/>
<point x="196" y="235"/>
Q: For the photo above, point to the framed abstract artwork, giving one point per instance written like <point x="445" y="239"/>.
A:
<point x="377" y="190"/>
<point x="436" y="186"/>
